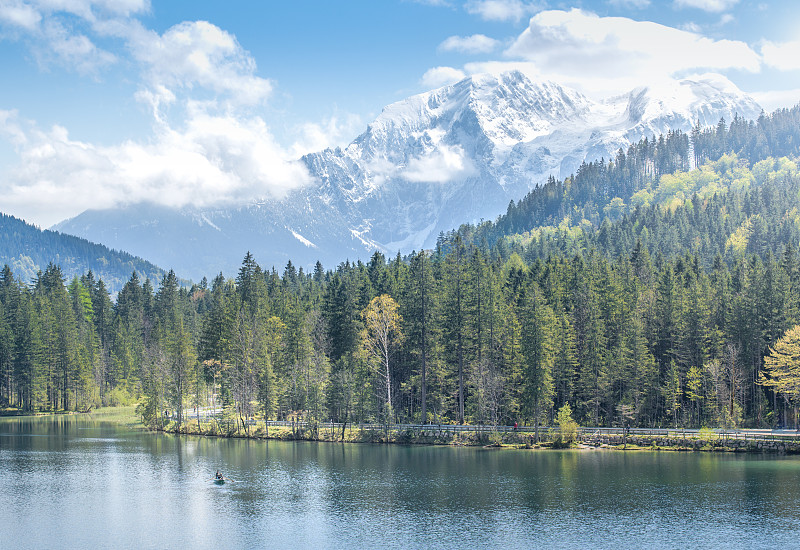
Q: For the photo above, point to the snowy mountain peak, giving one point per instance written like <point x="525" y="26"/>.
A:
<point x="704" y="98"/>
<point x="462" y="151"/>
<point x="507" y="109"/>
<point x="426" y="164"/>
<point x="511" y="108"/>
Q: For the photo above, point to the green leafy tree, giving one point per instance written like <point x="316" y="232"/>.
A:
<point x="782" y="367"/>
<point x="567" y="427"/>
<point x="382" y="331"/>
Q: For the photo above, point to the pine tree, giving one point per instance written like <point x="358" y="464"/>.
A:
<point x="454" y="293"/>
<point x="538" y="324"/>
<point x="591" y="340"/>
<point x="29" y="372"/>
<point x="417" y="315"/>
<point x="9" y="303"/>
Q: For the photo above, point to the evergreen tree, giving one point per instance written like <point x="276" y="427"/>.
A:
<point x="538" y="323"/>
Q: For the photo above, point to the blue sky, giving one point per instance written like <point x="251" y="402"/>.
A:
<point x="204" y="102"/>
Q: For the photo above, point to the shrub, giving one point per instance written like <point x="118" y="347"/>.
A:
<point x="568" y="428"/>
<point x="707" y="434"/>
<point x="118" y="397"/>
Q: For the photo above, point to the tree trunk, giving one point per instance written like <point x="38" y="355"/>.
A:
<point x="424" y="351"/>
<point x="388" y="391"/>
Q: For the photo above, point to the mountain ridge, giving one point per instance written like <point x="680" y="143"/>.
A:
<point x="27" y="250"/>
<point x="425" y="165"/>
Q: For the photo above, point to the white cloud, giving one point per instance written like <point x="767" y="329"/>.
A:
<point x="691" y="26"/>
<point x="9" y="125"/>
<point x="198" y="83"/>
<point x="726" y="18"/>
<point x="498" y="67"/>
<point x="207" y="148"/>
<point x="211" y="160"/>
<point x="380" y="170"/>
<point x="618" y="53"/>
<point x="442" y="165"/>
<point x="336" y="131"/>
<point x="19" y="14"/>
<point x="784" y="56"/>
<point x="154" y="98"/>
<point x="28" y="13"/>
<point x="73" y="50"/>
<point x="441" y="76"/>
<point x="477" y="43"/>
<point x="125" y="8"/>
<point x="502" y="10"/>
<point x="199" y="53"/>
<point x="639" y="4"/>
<point x="777" y="99"/>
<point x="87" y="9"/>
<point x="707" y="5"/>
<point x="58" y="38"/>
<point x="187" y="56"/>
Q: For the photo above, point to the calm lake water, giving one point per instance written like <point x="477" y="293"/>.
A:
<point x="79" y="483"/>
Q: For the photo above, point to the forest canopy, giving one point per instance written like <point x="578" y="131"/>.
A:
<point x="658" y="289"/>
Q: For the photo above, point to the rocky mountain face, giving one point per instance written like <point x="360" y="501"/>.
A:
<point x="425" y="165"/>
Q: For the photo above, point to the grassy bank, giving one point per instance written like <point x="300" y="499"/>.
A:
<point x="434" y="435"/>
<point x="353" y="433"/>
<point x="120" y="415"/>
<point x="13" y="411"/>
<point x="548" y="439"/>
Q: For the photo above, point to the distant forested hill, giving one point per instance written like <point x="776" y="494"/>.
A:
<point x="723" y="211"/>
<point x="28" y="249"/>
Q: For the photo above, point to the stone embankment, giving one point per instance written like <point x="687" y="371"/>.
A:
<point x="694" y="443"/>
<point x="500" y="436"/>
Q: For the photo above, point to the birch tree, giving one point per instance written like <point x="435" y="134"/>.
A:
<point x="381" y="333"/>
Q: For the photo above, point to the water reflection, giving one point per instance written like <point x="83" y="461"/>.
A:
<point x="90" y="483"/>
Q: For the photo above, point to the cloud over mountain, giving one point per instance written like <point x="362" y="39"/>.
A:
<point x="576" y="45"/>
<point x="426" y="164"/>
<point x="207" y="146"/>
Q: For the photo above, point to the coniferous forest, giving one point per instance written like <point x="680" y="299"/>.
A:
<point x="636" y="287"/>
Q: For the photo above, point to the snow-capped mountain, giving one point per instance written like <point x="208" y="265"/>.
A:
<point x="425" y="165"/>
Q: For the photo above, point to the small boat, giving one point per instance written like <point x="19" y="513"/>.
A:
<point x="220" y="479"/>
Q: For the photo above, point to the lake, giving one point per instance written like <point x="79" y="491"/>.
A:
<point x="76" y="482"/>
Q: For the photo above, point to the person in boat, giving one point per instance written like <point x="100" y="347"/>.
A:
<point x="218" y="475"/>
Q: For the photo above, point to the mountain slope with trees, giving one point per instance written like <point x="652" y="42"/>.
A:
<point x="28" y="250"/>
<point x="612" y="187"/>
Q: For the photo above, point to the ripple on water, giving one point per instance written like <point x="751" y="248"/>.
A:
<point x="108" y="489"/>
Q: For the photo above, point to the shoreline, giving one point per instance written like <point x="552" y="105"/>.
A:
<point x="437" y="435"/>
<point x="523" y="440"/>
